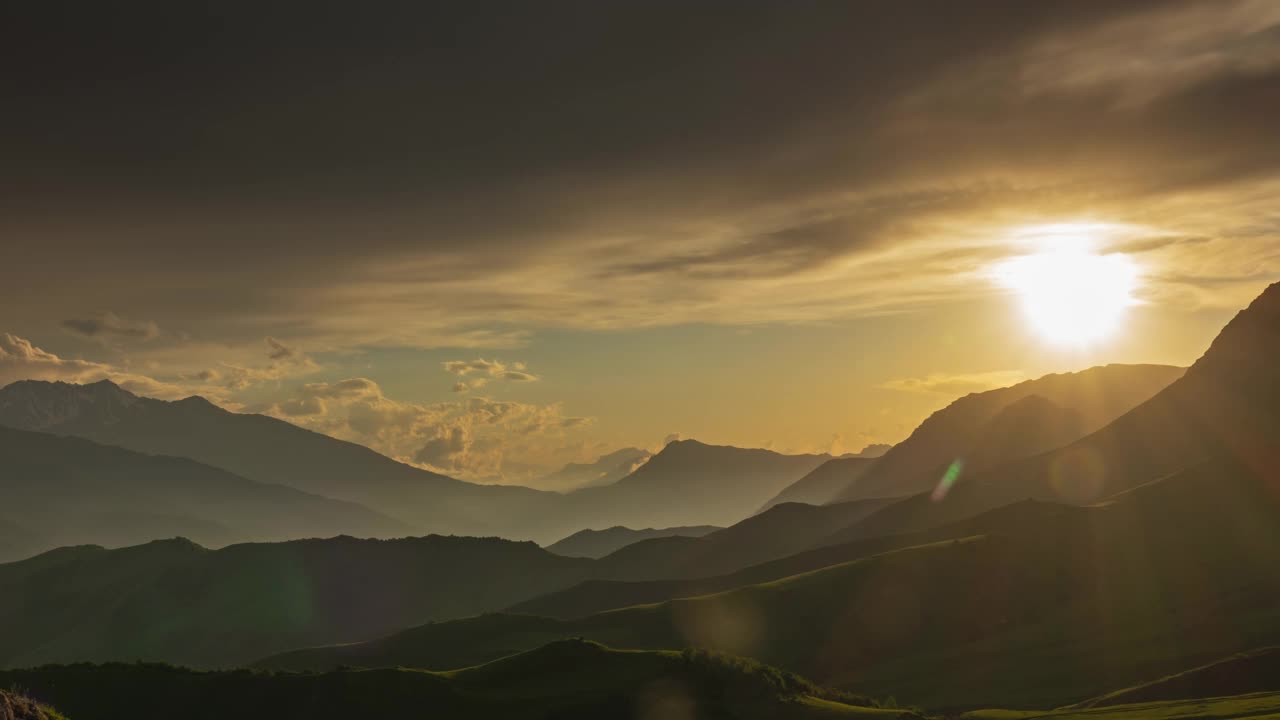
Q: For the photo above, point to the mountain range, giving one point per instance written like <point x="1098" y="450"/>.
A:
<point x="69" y="491"/>
<point x="598" y="543"/>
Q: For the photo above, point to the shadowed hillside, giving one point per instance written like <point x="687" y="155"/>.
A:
<point x="178" y="602"/>
<point x="598" y="543"/>
<point x="780" y="531"/>
<point x="1251" y="672"/>
<point x="1226" y="406"/>
<point x="68" y="491"/>
<point x="567" y="680"/>
<point x="1051" y="603"/>
<point x="971" y="429"/>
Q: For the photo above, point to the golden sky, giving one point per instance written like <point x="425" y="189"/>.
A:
<point x="494" y="242"/>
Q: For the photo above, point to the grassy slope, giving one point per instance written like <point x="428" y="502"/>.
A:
<point x="1250" y="672"/>
<point x="17" y="707"/>
<point x="571" y="679"/>
<point x="1259" y="705"/>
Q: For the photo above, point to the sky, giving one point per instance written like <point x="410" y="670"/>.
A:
<point x="490" y="238"/>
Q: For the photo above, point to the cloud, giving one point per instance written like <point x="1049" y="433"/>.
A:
<point x="956" y="384"/>
<point x="477" y="373"/>
<point x="875" y="181"/>
<point x="472" y="438"/>
<point x="109" y="326"/>
<point x="20" y="359"/>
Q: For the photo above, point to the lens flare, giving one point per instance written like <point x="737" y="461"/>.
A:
<point x="949" y="479"/>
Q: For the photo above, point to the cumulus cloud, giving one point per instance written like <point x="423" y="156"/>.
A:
<point x="109" y="326"/>
<point x="471" y="438"/>
<point x="277" y="350"/>
<point x="956" y="384"/>
<point x="20" y="359"/>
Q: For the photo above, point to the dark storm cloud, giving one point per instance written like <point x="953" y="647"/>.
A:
<point x="455" y="173"/>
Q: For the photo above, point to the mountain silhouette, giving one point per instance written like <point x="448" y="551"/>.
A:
<point x="824" y="483"/>
<point x="1224" y="409"/>
<point x="268" y="450"/>
<point x="1097" y="396"/>
<point x="598" y="543"/>
<point x="692" y="483"/>
<point x="68" y="491"/>
<point x="175" y="601"/>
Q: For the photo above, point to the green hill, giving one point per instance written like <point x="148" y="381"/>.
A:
<point x="178" y="602"/>
<point x="566" y="680"/>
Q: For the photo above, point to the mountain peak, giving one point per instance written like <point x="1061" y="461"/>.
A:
<point x="1243" y="354"/>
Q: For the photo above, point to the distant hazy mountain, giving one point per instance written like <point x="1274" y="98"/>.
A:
<point x="598" y="543"/>
<point x="606" y="470"/>
<point x="825" y="482"/>
<point x="780" y="531"/>
<point x="1227" y="406"/>
<point x="873" y="450"/>
<point x="67" y="491"/>
<point x="691" y="483"/>
<point x="273" y="451"/>
<point x="175" y="601"/>
<point x="1095" y="396"/>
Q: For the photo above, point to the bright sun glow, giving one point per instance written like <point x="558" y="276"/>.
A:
<point x="1071" y="295"/>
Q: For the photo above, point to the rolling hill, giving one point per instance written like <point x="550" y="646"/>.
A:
<point x="1052" y="602"/>
<point x="178" y="602"/>
<point x="775" y="533"/>
<point x="68" y="491"/>
<point x="598" y="543"/>
<point x="1255" y="671"/>
<point x="1069" y="405"/>
<point x="566" y="680"/>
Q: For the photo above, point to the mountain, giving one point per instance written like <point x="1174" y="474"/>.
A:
<point x="824" y="483"/>
<point x="1052" y="603"/>
<point x="692" y="483"/>
<point x="777" y="532"/>
<point x="268" y="450"/>
<point x="598" y="543"/>
<point x="1096" y="397"/>
<point x="606" y="470"/>
<point x="67" y="491"/>
<point x="565" y="680"/>
<point x="178" y="602"/>
<point x="1226" y="406"/>
<point x="18" y="707"/>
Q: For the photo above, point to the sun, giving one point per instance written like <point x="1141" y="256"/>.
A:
<point x="1071" y="295"/>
